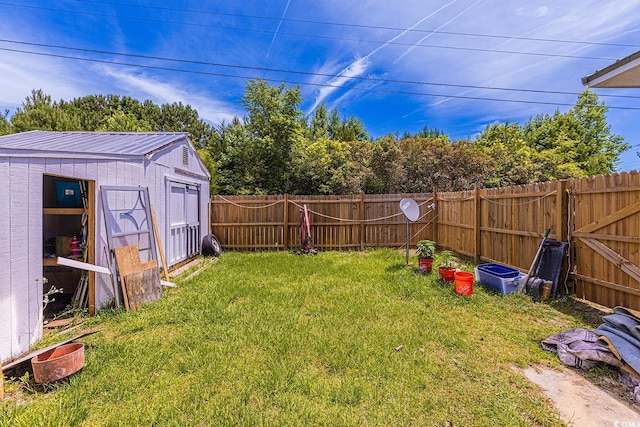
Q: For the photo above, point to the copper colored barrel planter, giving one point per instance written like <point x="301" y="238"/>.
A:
<point x="58" y="363"/>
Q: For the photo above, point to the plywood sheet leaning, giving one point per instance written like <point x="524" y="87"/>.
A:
<point x="138" y="285"/>
<point x="143" y="286"/>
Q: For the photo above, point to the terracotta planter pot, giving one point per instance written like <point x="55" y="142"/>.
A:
<point x="425" y="265"/>
<point x="446" y="273"/>
<point x="58" y="363"/>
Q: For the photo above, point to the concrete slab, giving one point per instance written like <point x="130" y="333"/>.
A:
<point x="580" y="402"/>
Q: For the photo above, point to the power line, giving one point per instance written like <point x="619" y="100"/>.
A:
<point x="284" y="33"/>
<point x="396" y="92"/>
<point x="343" y="24"/>
<point x="307" y="73"/>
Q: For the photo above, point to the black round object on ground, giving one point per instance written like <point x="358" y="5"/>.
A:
<point x="211" y="246"/>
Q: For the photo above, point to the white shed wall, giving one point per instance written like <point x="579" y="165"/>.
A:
<point x="21" y="269"/>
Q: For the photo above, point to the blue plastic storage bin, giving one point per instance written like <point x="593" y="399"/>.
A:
<point x="490" y="275"/>
<point x="499" y="270"/>
<point x="68" y="194"/>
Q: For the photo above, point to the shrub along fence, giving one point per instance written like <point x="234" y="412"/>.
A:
<point x="599" y="216"/>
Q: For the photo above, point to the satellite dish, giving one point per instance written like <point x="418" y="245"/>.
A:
<point x="410" y="209"/>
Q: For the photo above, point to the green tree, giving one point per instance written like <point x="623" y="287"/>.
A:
<point x="426" y="133"/>
<point x="598" y="150"/>
<point x="512" y="161"/>
<point x="463" y="166"/>
<point x="273" y="125"/>
<point x="346" y="129"/>
<point x="178" y="117"/>
<point x="319" y="126"/>
<point x="326" y="166"/>
<point x="212" y="167"/>
<point x="387" y="172"/>
<point x="119" y="121"/>
<point x="39" y="112"/>
<point x="238" y="167"/>
<point x="576" y="143"/>
<point x="5" y="125"/>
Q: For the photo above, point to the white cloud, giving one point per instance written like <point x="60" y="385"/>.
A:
<point x="358" y="67"/>
<point x="22" y="73"/>
<point x="406" y="52"/>
<point x="142" y="87"/>
<point x="355" y="69"/>
<point x="536" y="12"/>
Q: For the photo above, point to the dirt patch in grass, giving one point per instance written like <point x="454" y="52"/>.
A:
<point x="590" y="313"/>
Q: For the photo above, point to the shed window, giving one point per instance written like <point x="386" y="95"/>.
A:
<point x="185" y="156"/>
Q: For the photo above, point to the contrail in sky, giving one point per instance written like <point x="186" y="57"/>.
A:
<point x="512" y="72"/>
<point x="434" y="31"/>
<point x="359" y="66"/>
<point x="278" y="27"/>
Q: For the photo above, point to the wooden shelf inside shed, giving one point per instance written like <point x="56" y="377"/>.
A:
<point x="63" y="211"/>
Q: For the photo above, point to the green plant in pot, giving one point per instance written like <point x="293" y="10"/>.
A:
<point x="446" y="270"/>
<point x="426" y="250"/>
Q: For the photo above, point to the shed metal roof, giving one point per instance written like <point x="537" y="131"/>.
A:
<point x="90" y="143"/>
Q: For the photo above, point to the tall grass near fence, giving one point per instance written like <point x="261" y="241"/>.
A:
<point x="339" y="339"/>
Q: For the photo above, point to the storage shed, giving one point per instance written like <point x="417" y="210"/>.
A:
<point x="76" y="195"/>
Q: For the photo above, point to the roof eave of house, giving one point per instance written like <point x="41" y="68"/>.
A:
<point x="624" y="73"/>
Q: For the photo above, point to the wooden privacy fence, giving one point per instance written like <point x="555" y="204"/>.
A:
<point x="337" y="222"/>
<point x="599" y="217"/>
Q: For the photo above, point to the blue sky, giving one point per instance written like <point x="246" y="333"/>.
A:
<point x="395" y="65"/>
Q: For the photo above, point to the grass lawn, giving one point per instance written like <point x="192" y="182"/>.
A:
<point x="337" y="339"/>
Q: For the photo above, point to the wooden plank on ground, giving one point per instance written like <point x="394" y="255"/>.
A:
<point x="143" y="286"/>
<point x="125" y="262"/>
<point x="128" y="262"/>
<point x="58" y="323"/>
<point x="82" y="265"/>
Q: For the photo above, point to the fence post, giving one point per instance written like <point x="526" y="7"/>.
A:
<point x="562" y="215"/>
<point x="435" y="214"/>
<point x="477" y="249"/>
<point x="285" y="229"/>
<point x="363" y="241"/>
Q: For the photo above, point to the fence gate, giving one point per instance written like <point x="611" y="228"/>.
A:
<point x="606" y="240"/>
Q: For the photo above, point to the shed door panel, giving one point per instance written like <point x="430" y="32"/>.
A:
<point x="193" y="220"/>
<point x="184" y="224"/>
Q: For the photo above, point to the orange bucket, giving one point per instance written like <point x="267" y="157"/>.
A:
<point x="463" y="283"/>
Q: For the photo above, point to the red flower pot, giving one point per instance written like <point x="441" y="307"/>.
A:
<point x="425" y="265"/>
<point x="446" y="273"/>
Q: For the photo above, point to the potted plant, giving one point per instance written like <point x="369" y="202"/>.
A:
<point x="426" y="250"/>
<point x="446" y="270"/>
